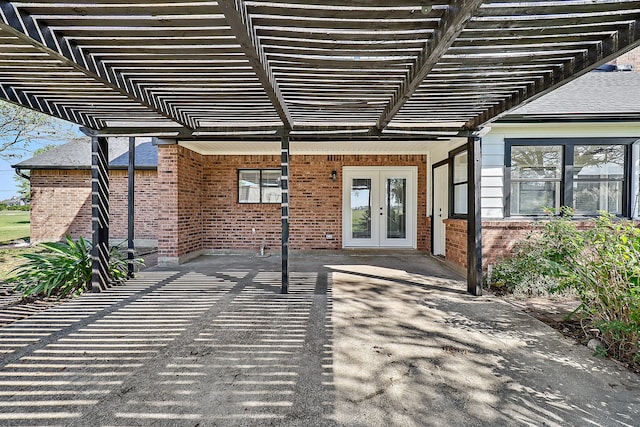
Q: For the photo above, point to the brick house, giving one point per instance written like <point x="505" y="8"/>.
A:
<point x="360" y="107"/>
<point x="345" y="195"/>
<point x="61" y="191"/>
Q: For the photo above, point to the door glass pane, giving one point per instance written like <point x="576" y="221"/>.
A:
<point x="396" y="199"/>
<point x="361" y="208"/>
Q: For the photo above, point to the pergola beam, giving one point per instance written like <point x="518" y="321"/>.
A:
<point x="474" y="216"/>
<point x="270" y="133"/>
<point x="100" y="213"/>
<point x="623" y="40"/>
<point x="453" y="23"/>
<point x="238" y="19"/>
<point x="42" y="37"/>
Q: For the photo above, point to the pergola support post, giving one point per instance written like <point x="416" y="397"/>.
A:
<point x="131" y="182"/>
<point x="474" y="218"/>
<point x="100" y="213"/>
<point x="284" y="186"/>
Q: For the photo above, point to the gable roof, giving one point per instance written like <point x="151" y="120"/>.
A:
<point x="594" y="96"/>
<point x="77" y="155"/>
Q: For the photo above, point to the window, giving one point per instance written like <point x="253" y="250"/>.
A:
<point x="598" y="178"/>
<point x="259" y="186"/>
<point x="536" y="175"/>
<point x="460" y="182"/>
<point x="587" y="174"/>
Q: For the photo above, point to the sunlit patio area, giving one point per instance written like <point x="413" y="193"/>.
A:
<point x="360" y="340"/>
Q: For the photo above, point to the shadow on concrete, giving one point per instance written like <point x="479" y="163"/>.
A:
<point x="359" y="341"/>
<point x="434" y="356"/>
<point x="175" y="348"/>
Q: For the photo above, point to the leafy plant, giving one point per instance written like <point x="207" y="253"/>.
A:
<point x="606" y="277"/>
<point x="600" y="264"/>
<point x="63" y="269"/>
<point x="539" y="260"/>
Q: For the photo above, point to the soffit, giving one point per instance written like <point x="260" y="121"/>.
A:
<point x="362" y="68"/>
<point x="256" y="147"/>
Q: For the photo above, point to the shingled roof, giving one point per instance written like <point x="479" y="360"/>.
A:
<point x="77" y="155"/>
<point x="594" y="96"/>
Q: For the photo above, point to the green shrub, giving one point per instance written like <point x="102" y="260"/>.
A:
<point x="63" y="269"/>
<point x="600" y="264"/>
<point x="606" y="277"/>
<point x="539" y="260"/>
<point x="18" y="208"/>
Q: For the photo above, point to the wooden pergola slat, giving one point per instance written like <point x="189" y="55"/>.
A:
<point x="242" y="28"/>
<point x="331" y="61"/>
<point x="452" y="25"/>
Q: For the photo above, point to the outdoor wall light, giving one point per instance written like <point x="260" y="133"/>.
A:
<point x="334" y="175"/>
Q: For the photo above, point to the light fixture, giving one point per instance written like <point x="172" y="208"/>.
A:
<point x="426" y="9"/>
<point x="334" y="175"/>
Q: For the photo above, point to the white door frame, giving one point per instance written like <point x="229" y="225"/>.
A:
<point x="379" y="174"/>
<point x="440" y="193"/>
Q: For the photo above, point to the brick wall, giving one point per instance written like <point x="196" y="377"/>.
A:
<point x="316" y="200"/>
<point x="456" y="241"/>
<point x="61" y="204"/>
<point x="180" y="210"/>
<point x="223" y="224"/>
<point x="498" y="238"/>
<point x="190" y="191"/>
<point x="227" y="224"/>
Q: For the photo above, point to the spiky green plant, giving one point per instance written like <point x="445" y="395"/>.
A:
<point x="63" y="269"/>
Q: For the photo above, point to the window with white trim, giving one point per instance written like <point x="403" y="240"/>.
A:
<point x="259" y="186"/>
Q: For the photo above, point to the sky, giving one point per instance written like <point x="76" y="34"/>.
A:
<point x="8" y="186"/>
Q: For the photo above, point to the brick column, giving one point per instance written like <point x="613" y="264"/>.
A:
<point x="168" y="212"/>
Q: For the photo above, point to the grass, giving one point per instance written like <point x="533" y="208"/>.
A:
<point x="13" y="225"/>
<point x="10" y="259"/>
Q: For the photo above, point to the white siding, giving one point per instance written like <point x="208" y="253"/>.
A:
<point x="493" y="175"/>
<point x="493" y="155"/>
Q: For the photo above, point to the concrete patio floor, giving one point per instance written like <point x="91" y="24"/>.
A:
<point x="361" y="340"/>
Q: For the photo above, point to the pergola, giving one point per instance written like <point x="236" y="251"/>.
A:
<point x="370" y="70"/>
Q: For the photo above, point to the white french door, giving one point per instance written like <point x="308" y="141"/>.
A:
<point x="379" y="207"/>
